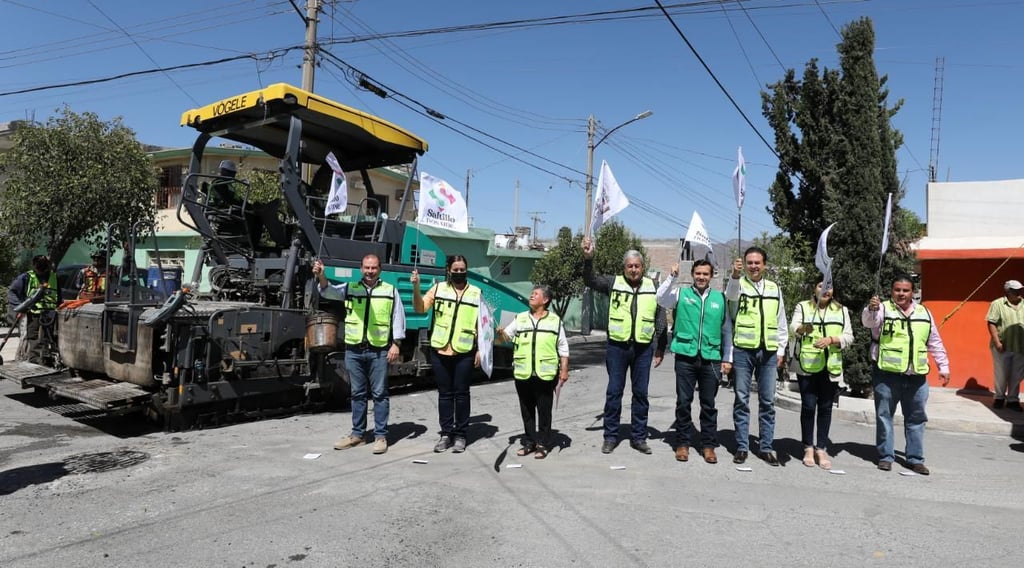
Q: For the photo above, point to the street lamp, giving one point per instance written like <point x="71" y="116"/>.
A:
<point x="586" y="312"/>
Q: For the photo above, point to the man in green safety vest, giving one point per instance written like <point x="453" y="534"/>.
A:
<point x="702" y="343"/>
<point x="374" y="330"/>
<point x="759" y="339"/>
<point x="903" y="333"/>
<point x="636" y="336"/>
<point x="39" y="344"/>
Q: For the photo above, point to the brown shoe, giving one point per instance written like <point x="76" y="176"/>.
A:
<point x="349" y="441"/>
<point x="709" y="455"/>
<point x="682" y="453"/>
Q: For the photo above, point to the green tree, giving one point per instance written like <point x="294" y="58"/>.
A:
<point x="66" y="179"/>
<point x="613" y="240"/>
<point x="561" y="269"/>
<point x="838" y="164"/>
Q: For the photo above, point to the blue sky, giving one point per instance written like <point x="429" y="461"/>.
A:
<point x="534" y="86"/>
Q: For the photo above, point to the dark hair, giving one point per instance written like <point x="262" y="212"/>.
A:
<point x="452" y="259"/>
<point x="41" y="262"/>
<point x="758" y="250"/>
<point x="904" y="277"/>
<point x="546" y="290"/>
<point x="702" y="262"/>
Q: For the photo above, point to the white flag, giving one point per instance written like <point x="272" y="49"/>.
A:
<point x="485" y="337"/>
<point x="697" y="233"/>
<point x="609" y="201"/>
<point x="441" y="205"/>
<point x="337" y="199"/>
<point x="885" y="228"/>
<point x="823" y="261"/>
<point x="739" y="178"/>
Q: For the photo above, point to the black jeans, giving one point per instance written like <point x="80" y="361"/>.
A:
<point x="453" y="374"/>
<point x="694" y="372"/>
<point x="535" y="399"/>
<point x="817" y="392"/>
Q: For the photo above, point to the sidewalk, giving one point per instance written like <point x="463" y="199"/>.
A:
<point x="949" y="410"/>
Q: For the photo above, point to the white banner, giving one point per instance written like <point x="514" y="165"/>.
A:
<point x="337" y="199"/>
<point x="441" y="205"/>
<point x="823" y="261"/>
<point x="485" y="337"/>
<point x="697" y="233"/>
<point x="885" y="228"/>
<point x="609" y="201"/>
<point x="739" y="178"/>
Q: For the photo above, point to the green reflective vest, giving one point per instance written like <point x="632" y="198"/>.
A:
<point x="621" y="324"/>
<point x="903" y="340"/>
<point x="757" y="316"/>
<point x="536" y="347"/>
<point x="698" y="324"/>
<point x="813" y="359"/>
<point x="368" y="314"/>
<point x="455" y="319"/>
<point x="49" y="300"/>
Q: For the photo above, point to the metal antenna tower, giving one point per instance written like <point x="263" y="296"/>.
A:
<point x="933" y="158"/>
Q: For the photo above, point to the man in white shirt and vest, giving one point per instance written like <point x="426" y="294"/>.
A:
<point x="759" y="339"/>
<point x="702" y="343"/>
<point x="636" y="336"/>
<point x="903" y="333"/>
<point x="374" y="330"/>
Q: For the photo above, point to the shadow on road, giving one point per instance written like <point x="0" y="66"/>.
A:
<point x="21" y="477"/>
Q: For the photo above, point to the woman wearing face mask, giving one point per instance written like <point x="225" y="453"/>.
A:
<point x="453" y="349"/>
<point x="822" y="329"/>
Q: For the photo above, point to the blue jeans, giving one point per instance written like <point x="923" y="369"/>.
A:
<point x="637" y="358"/>
<point x="694" y="372"/>
<point x="745" y="363"/>
<point x="911" y="392"/>
<point x="817" y="393"/>
<point x="368" y="370"/>
<point x="453" y="374"/>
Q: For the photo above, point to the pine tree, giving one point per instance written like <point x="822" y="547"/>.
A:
<point x="838" y="164"/>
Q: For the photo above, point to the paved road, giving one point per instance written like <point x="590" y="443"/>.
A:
<point x="112" y="493"/>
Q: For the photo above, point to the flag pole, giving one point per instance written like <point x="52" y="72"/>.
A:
<point x="739" y="232"/>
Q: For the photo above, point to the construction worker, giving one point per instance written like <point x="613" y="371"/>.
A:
<point x="91" y="281"/>
<point x="40" y="340"/>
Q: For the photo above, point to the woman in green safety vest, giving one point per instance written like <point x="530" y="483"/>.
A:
<point x="822" y="329"/>
<point x="541" y="352"/>
<point x="453" y="349"/>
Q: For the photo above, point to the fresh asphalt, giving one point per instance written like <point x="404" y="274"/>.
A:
<point x="83" y="491"/>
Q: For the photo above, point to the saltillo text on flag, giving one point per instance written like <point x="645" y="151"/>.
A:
<point x="885" y="228"/>
<point x="485" y="337"/>
<point x="441" y="205"/>
<point x="739" y="178"/>
<point x="697" y="233"/>
<point x="337" y="198"/>
<point x="823" y="261"/>
<point x="609" y="201"/>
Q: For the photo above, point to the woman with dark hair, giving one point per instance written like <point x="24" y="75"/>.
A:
<point x="541" y="352"/>
<point x="453" y="349"/>
<point x="822" y="329"/>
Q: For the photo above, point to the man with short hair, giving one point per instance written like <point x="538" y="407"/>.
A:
<point x="903" y="333"/>
<point x="636" y="335"/>
<point x="1006" y="341"/>
<point x="759" y="338"/>
<point x="91" y="281"/>
<point x="702" y="343"/>
<point x="374" y="330"/>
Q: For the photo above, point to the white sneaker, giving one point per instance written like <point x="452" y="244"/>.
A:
<point x="380" y="445"/>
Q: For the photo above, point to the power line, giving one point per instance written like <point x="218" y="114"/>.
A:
<point x="764" y="39"/>
<point x="829" y="20"/>
<point x="743" y="50"/>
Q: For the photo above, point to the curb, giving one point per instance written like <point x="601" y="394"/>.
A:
<point x="790" y="400"/>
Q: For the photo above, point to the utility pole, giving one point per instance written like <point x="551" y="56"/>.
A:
<point x="587" y="215"/>
<point x="469" y="172"/>
<point x="536" y="216"/>
<point x="309" y="51"/>
<point x="515" y="209"/>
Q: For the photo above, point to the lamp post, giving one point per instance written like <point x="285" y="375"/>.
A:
<point x="586" y="312"/>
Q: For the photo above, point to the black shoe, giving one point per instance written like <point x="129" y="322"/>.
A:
<point x="769" y="458"/>
<point x="640" y="446"/>
<point x="998" y="403"/>
<point x="1014" y="406"/>
<point x="740" y="457"/>
<point x="608" y="446"/>
<point x="885" y="465"/>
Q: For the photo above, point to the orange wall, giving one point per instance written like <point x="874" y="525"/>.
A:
<point x="946" y="283"/>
